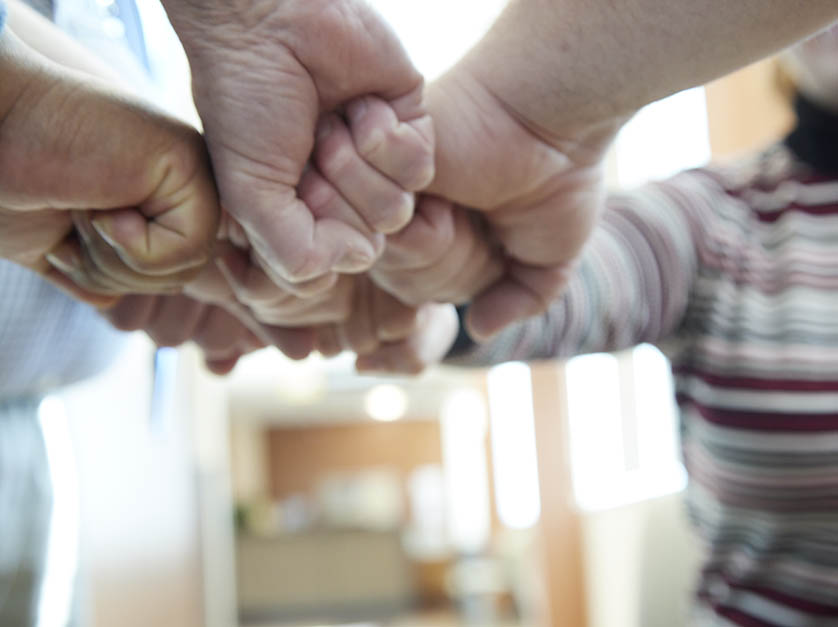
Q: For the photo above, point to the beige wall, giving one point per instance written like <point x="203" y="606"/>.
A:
<point x="747" y="110"/>
<point x="298" y="457"/>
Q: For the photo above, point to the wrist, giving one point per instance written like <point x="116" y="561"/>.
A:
<point x="543" y="59"/>
<point x="207" y="26"/>
<point x="583" y="137"/>
<point x="19" y="75"/>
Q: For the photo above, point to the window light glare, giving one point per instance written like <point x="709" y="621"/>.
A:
<point x="514" y="454"/>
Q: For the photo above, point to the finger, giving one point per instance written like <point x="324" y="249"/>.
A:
<point x="462" y="269"/>
<point x="271" y="305"/>
<point x="409" y="106"/>
<point x="401" y="151"/>
<point x="132" y="312"/>
<point x="326" y="341"/>
<point x="436" y="332"/>
<point x="294" y="245"/>
<point x="60" y="275"/>
<point x="104" y="266"/>
<point x="175" y="320"/>
<point x="222" y="367"/>
<point x="330" y="308"/>
<point x="147" y="177"/>
<point x="73" y="271"/>
<point x="303" y="289"/>
<point x="151" y="247"/>
<point x="472" y="263"/>
<point x="248" y="281"/>
<point x="425" y="239"/>
<point x="174" y="228"/>
<point x="311" y="288"/>
<point x="551" y="232"/>
<point x="393" y="319"/>
<point x="296" y="344"/>
<point x="231" y="231"/>
<point x="523" y="292"/>
<point x="326" y="202"/>
<point x="358" y="333"/>
<point x="384" y="205"/>
<point x="221" y="336"/>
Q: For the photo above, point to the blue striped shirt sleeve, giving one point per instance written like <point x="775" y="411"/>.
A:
<point x="2" y="15"/>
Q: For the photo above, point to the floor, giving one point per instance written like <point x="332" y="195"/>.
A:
<point x="439" y="619"/>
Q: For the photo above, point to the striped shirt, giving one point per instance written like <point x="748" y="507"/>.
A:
<point x="733" y="272"/>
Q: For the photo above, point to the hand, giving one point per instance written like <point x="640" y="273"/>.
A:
<point x="175" y="320"/>
<point x="263" y="75"/>
<point x="213" y="286"/>
<point x="427" y="345"/>
<point x="274" y="301"/>
<point x="99" y="193"/>
<point x="539" y="193"/>
<point x="389" y="336"/>
<point x="270" y="304"/>
<point x="443" y="254"/>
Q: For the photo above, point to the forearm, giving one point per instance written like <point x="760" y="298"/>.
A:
<point x="44" y="37"/>
<point x="632" y="286"/>
<point x="562" y="63"/>
<point x="31" y="51"/>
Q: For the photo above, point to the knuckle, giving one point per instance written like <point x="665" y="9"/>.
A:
<point x="337" y="160"/>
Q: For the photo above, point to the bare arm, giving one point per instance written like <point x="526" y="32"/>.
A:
<point x="69" y="141"/>
<point x="562" y="62"/>
<point x="523" y="122"/>
<point x="632" y="284"/>
<point x="41" y="35"/>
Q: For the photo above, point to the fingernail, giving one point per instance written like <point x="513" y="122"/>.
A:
<point x="400" y="216"/>
<point x="355" y="261"/>
<point x="357" y="110"/>
<point x="101" y="225"/>
<point x="68" y="265"/>
<point x="424" y="177"/>
<point x="324" y="128"/>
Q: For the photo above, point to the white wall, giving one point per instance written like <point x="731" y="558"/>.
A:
<point x="139" y="524"/>
<point x="640" y="561"/>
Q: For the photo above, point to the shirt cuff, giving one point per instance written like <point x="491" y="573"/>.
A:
<point x="463" y="343"/>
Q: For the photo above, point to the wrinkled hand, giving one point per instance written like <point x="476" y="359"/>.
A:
<point x="427" y="345"/>
<point x="539" y="193"/>
<point x="325" y="189"/>
<point x="175" y="320"/>
<point x="443" y="255"/>
<point x="265" y="73"/>
<point x="389" y="336"/>
<point x="99" y="193"/>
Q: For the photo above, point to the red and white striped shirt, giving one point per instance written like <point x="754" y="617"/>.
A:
<point x="733" y="271"/>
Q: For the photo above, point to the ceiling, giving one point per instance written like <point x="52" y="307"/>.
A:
<point x="268" y="387"/>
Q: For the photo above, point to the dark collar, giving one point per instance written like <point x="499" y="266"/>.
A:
<point x="815" y="139"/>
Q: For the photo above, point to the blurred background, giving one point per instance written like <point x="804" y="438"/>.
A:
<point x="301" y="494"/>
